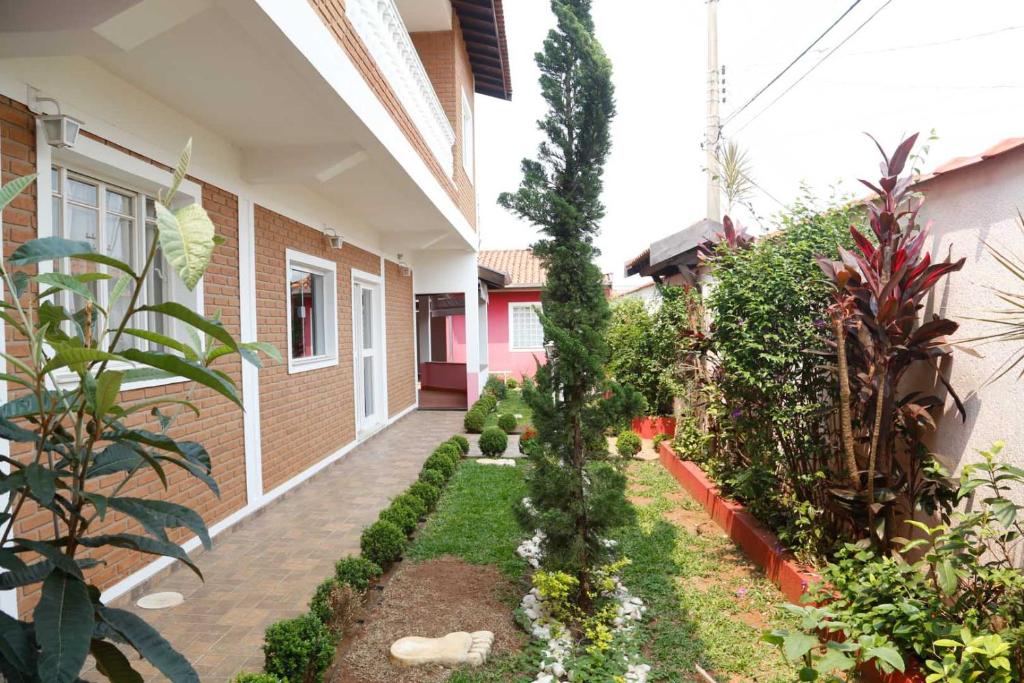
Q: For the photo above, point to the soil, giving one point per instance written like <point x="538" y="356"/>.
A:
<point x="429" y="599"/>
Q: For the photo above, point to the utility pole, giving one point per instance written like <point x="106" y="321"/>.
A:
<point x="714" y="128"/>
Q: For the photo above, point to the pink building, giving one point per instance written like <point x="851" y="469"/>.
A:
<point x="515" y="339"/>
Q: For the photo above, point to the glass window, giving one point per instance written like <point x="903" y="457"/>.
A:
<point x="307" y="313"/>
<point x="526" y="332"/>
<point x="312" y="287"/>
<point x="467" y="136"/>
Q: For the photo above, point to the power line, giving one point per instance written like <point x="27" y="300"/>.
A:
<point x="936" y="43"/>
<point x="816" y="65"/>
<point x="791" y="64"/>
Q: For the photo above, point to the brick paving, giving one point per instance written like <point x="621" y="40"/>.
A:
<point x="266" y="567"/>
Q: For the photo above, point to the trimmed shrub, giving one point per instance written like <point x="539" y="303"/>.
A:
<point x="462" y="442"/>
<point x="401" y="515"/>
<point x="298" y="649"/>
<point x="431" y="478"/>
<point x="382" y="542"/>
<point x="507" y="422"/>
<point x="489" y="401"/>
<point x="320" y="604"/>
<point x="511" y="383"/>
<point x="658" y="439"/>
<point x="441" y="463"/>
<point x="493" y="441"/>
<point x="357" y="572"/>
<point x="426" y="492"/>
<point x="253" y="677"/>
<point x="451" y="451"/>
<point x="495" y="386"/>
<point x="474" y="420"/>
<point x="412" y="502"/>
<point x="628" y="444"/>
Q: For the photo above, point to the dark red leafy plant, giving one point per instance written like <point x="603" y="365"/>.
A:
<point x="879" y="289"/>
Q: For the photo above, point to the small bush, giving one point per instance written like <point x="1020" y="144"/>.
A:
<point x="401" y="515"/>
<point x="426" y="492"/>
<point x="320" y="604"/>
<point x="298" y="649"/>
<point x="357" y="572"/>
<point x="658" y="439"/>
<point x="382" y="542"/>
<point x="529" y="434"/>
<point x="474" y="420"/>
<point x="507" y="422"/>
<point x="412" y="502"/>
<point x="493" y="441"/>
<point x="495" y="386"/>
<point x="486" y="403"/>
<point x="462" y="442"/>
<point x="441" y="462"/>
<point x="628" y="444"/>
<point x="253" y="677"/>
<point x="451" y="451"/>
<point x="511" y="383"/>
<point x="431" y="478"/>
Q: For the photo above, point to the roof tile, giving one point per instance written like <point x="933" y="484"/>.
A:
<point x="524" y="270"/>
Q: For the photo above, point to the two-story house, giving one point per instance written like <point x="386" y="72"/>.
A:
<point x="333" y="149"/>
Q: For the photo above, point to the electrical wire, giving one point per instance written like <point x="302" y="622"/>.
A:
<point x="791" y="64"/>
<point x="816" y="65"/>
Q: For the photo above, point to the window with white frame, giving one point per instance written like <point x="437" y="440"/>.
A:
<point x="467" y="136"/>
<point x="312" y="312"/>
<point x="525" y="330"/>
<point x="118" y="221"/>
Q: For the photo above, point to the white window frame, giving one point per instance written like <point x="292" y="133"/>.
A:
<point x="329" y="271"/>
<point x="468" y="139"/>
<point x="512" y="306"/>
<point x="123" y="172"/>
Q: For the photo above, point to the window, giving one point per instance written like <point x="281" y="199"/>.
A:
<point x="119" y="222"/>
<point x="312" y="312"/>
<point x="525" y="331"/>
<point x="467" y="136"/>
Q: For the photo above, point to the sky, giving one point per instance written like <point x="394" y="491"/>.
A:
<point x="919" y="65"/>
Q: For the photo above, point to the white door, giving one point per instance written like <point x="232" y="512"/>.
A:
<point x="369" y="356"/>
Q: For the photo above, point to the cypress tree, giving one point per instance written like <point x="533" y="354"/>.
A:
<point x="577" y="494"/>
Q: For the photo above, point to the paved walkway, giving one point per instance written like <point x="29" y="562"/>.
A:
<point x="266" y="567"/>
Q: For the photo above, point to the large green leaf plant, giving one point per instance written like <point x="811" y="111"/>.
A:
<point x="80" y="442"/>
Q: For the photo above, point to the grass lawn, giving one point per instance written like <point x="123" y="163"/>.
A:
<point x="514" y="404"/>
<point x="706" y="603"/>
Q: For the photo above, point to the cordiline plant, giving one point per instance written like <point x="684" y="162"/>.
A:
<point x="79" y="446"/>
<point x="879" y="287"/>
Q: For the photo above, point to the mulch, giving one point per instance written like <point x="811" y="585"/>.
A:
<point x="429" y="599"/>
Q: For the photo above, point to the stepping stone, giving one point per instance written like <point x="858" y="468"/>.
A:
<point x="500" y="462"/>
<point x="160" y="600"/>
<point x="453" y="649"/>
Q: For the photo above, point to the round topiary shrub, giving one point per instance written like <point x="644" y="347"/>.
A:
<point x="411" y="502"/>
<point x="320" y="604"/>
<point x="462" y="442"/>
<point x="357" y="572"/>
<point x="299" y="649"/>
<point x="490" y="402"/>
<point x="451" y="451"/>
<point x="507" y="422"/>
<point x="474" y="421"/>
<point x="382" y="542"/>
<point x="431" y="477"/>
<point x="428" y="493"/>
<point x="628" y="444"/>
<point x="440" y="462"/>
<point x="493" y="441"/>
<point x="401" y="515"/>
<point x="511" y="383"/>
<point x="253" y="677"/>
<point x="495" y="386"/>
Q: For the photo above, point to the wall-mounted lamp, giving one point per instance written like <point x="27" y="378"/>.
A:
<point x="60" y="129"/>
<point x="404" y="267"/>
<point x="337" y="241"/>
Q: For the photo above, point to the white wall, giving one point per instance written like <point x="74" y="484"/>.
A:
<point x="975" y="205"/>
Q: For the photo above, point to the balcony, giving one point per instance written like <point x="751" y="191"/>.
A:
<point x="380" y="26"/>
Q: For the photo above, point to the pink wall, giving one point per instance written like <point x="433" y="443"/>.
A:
<point x="500" y="360"/>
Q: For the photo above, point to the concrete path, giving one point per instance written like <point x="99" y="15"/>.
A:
<point x="266" y="567"/>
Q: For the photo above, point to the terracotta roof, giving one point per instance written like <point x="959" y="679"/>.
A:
<point x="959" y="163"/>
<point x="520" y="265"/>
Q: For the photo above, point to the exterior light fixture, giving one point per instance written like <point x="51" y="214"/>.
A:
<point x="404" y="267"/>
<point x="60" y="129"/>
<point x="549" y="350"/>
<point x="337" y="241"/>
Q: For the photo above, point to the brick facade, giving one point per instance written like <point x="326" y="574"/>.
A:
<point x="219" y="428"/>
<point x="398" y="314"/>
<point x="332" y="12"/>
<point x="305" y="416"/>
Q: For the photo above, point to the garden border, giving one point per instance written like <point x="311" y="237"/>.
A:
<point x="760" y="545"/>
<point x="650" y="426"/>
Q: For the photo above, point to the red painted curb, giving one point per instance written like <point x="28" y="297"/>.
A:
<point x="649" y="427"/>
<point x="760" y="545"/>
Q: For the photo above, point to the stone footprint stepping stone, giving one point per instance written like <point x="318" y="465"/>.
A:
<point x="453" y="649"/>
<point x="499" y="462"/>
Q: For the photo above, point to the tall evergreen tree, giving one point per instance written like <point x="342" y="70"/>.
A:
<point x="576" y="494"/>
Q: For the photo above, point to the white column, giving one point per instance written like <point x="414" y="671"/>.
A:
<point x="250" y="373"/>
<point x="474" y="377"/>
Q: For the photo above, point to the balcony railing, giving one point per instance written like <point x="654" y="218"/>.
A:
<point x="382" y="30"/>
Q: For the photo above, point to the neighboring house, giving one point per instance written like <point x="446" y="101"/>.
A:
<point x="333" y="150"/>
<point x="515" y="338"/>
<point x="674" y="259"/>
<point x="647" y="293"/>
